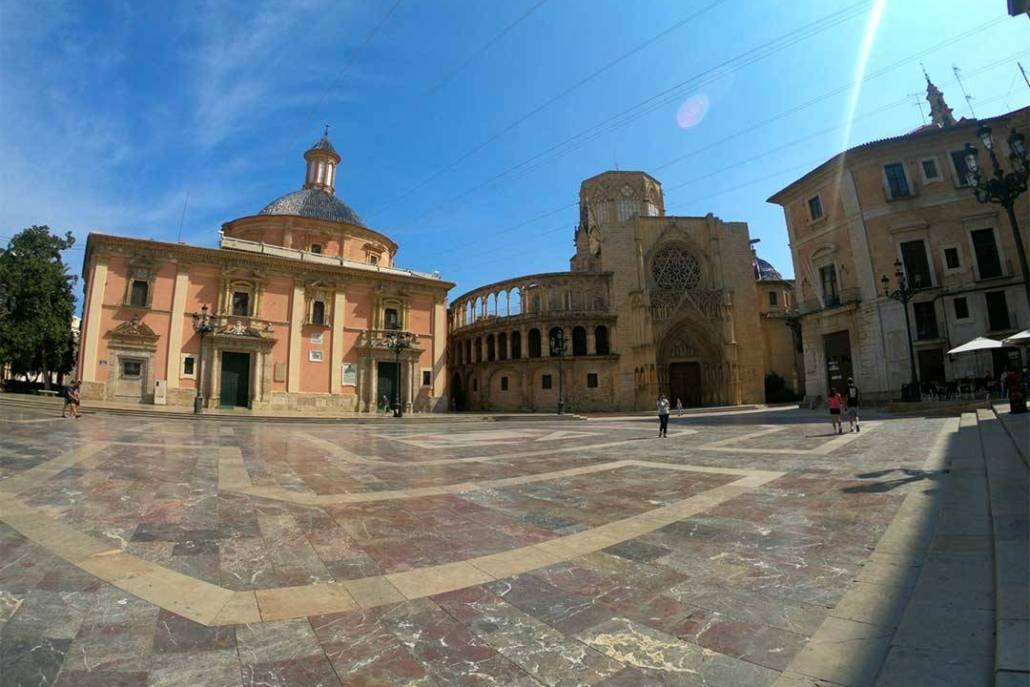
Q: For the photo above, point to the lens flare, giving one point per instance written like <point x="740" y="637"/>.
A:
<point x="875" y="15"/>
<point x="692" y="111"/>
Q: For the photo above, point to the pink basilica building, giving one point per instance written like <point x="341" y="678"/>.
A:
<point x="303" y="300"/>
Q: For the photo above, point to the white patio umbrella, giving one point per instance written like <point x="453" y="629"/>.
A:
<point x="1020" y="339"/>
<point x="977" y="345"/>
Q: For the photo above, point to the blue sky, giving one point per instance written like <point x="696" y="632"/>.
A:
<point x="465" y="127"/>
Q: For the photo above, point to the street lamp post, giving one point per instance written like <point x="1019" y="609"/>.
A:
<point x="203" y="326"/>
<point x="1002" y="187"/>
<point x="559" y="346"/>
<point x="903" y="294"/>
<point x="397" y="342"/>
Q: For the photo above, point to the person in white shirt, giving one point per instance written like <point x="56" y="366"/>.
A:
<point x="663" y="416"/>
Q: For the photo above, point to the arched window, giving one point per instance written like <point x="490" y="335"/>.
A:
<point x="502" y="346"/>
<point x="479" y="350"/>
<point x="516" y="345"/>
<point x="468" y="313"/>
<point x="514" y="302"/>
<point x="468" y="351"/>
<point x="601" y="345"/>
<point x="579" y="341"/>
<point x="555" y="338"/>
<point x="391" y="319"/>
<point x="534" y="343"/>
<point x="491" y="350"/>
<point x="491" y="305"/>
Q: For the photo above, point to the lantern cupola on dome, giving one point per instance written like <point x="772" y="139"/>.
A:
<point x="322" y="163"/>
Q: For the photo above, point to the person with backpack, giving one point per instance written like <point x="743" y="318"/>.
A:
<point x="71" y="400"/>
<point x="851" y="403"/>
<point x="835" y="402"/>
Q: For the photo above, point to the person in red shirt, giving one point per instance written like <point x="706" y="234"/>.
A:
<point x="836" y="402"/>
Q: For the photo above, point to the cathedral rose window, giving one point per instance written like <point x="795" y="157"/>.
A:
<point x="675" y="268"/>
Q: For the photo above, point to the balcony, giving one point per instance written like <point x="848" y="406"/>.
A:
<point x="233" y="243"/>
<point x="843" y="298"/>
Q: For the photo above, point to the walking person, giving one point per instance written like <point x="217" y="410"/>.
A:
<point x="663" y="416"/>
<point x="679" y="406"/>
<point x="835" y="402"/>
<point x="71" y="400"/>
<point x="851" y="403"/>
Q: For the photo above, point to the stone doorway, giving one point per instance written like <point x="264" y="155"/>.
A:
<point x="235" y="380"/>
<point x="387" y="382"/>
<point x="685" y="384"/>
<point x="838" y="359"/>
<point x="131" y="381"/>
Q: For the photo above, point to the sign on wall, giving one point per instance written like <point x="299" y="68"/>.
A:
<point x="316" y="338"/>
<point x="350" y="373"/>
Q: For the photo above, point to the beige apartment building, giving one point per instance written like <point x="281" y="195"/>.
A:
<point x="652" y="304"/>
<point x="904" y="199"/>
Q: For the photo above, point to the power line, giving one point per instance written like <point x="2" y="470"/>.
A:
<point x="550" y="101"/>
<point x="481" y="50"/>
<point x="659" y="99"/>
<point x="781" y="115"/>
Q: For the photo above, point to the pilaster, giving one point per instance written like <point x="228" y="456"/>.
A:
<point x="296" y="325"/>
<point x="336" y="357"/>
<point x="97" y="285"/>
<point x="175" y="323"/>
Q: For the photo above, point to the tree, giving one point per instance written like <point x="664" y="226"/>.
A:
<point x="36" y="304"/>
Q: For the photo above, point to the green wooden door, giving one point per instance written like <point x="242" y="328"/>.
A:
<point x="387" y="382"/>
<point x="235" y="380"/>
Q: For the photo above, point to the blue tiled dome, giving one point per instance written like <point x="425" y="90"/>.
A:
<point x="312" y="202"/>
<point x="763" y="270"/>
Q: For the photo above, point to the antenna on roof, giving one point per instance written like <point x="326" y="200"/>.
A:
<point x="917" y="98"/>
<point x="182" y="217"/>
<point x="969" y="98"/>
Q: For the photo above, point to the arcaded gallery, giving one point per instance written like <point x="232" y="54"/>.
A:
<point x="301" y="307"/>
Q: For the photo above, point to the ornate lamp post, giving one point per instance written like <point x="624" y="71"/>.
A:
<point x="203" y="326"/>
<point x="559" y="345"/>
<point x="1002" y="187"/>
<point x="397" y="342"/>
<point x="903" y="294"/>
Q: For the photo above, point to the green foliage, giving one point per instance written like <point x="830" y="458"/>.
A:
<point x="777" y="391"/>
<point x="36" y="303"/>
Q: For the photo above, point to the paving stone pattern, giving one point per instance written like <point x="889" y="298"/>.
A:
<point x="333" y="554"/>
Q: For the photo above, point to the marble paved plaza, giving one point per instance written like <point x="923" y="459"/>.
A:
<point x="147" y="551"/>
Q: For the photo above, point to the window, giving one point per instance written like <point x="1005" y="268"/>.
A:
<point x="930" y="171"/>
<point x="504" y="383"/>
<point x="591" y="380"/>
<point x="961" y="308"/>
<point x="391" y="319"/>
<point x="491" y="348"/>
<point x="516" y="345"/>
<point x="815" y="208"/>
<point x="601" y="345"/>
<point x="240" y="303"/>
<point x="579" y="341"/>
<point x="373" y="259"/>
<point x="772" y="298"/>
<point x="427" y="378"/>
<point x="828" y="279"/>
<point x="315" y="356"/>
<point x="138" y="293"/>
<point x="997" y="311"/>
<point x="958" y="158"/>
<point x="917" y="267"/>
<point x="318" y="312"/>
<point x="897" y="182"/>
<point x="545" y="381"/>
<point x="926" y="320"/>
<point x="132" y="368"/>
<point x="475" y="385"/>
<point x="951" y="260"/>
<point x="316" y="248"/>
<point x="189" y="364"/>
<point x="988" y="262"/>
<point x="534" y="343"/>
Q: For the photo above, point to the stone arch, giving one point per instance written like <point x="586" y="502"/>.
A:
<point x="502" y="346"/>
<point x="579" y="341"/>
<point x="602" y="345"/>
<point x="534" y="344"/>
<point x="491" y="348"/>
<point x="516" y="345"/>
<point x="515" y="302"/>
<point x="691" y="365"/>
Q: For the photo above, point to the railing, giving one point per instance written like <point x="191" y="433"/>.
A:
<point x="842" y="298"/>
<point x="377" y="338"/>
<point x="233" y="243"/>
<point x="486" y="321"/>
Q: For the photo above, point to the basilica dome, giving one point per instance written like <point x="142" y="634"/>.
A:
<point x="318" y="196"/>
<point x="313" y="202"/>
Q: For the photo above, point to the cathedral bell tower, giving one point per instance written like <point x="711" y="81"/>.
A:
<point x="322" y="163"/>
<point x="940" y="114"/>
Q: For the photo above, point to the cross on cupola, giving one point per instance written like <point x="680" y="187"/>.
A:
<point x="322" y="163"/>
